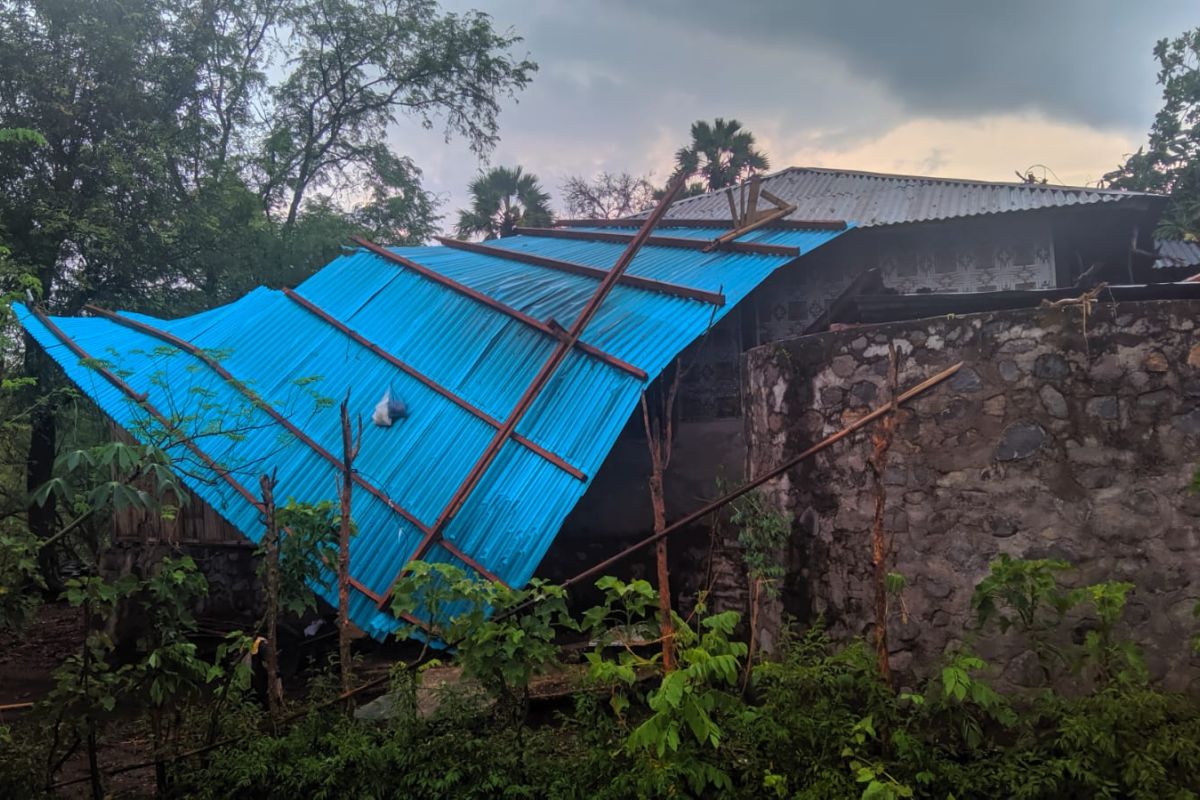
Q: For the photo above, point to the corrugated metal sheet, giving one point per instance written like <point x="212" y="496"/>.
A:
<point x="869" y="199"/>
<point x="298" y="362"/>
<point x="1175" y="254"/>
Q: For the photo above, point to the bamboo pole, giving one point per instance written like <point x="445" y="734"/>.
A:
<point x="720" y="502"/>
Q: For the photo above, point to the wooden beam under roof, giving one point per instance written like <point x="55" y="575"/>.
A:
<point x="649" y="284"/>
<point x="493" y="303"/>
<point x="683" y="242"/>
<point x="428" y="382"/>
<point x="258" y="402"/>
<point x="715" y="224"/>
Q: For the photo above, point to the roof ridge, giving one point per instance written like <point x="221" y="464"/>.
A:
<point x="896" y="176"/>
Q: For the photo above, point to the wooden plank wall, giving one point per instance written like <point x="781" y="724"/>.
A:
<point x="197" y="523"/>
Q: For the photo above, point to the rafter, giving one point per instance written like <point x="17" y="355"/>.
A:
<point x="649" y="284"/>
<point x="496" y="305"/>
<point x="683" y="242"/>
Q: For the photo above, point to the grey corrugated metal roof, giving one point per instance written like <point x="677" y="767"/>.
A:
<point x="1173" y="254"/>
<point x="870" y="199"/>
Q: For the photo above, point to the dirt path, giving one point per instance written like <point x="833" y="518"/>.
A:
<point x="27" y="661"/>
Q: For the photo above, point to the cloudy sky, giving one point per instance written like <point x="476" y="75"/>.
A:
<point x="937" y="87"/>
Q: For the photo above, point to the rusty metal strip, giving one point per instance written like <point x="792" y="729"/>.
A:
<point x="425" y="380"/>
<point x="377" y="598"/>
<point x="257" y="400"/>
<point x="142" y="399"/>
<point x="457" y="552"/>
<point x="463" y="492"/>
<point x="144" y="402"/>
<point x="727" y="239"/>
<point x="495" y="304"/>
<point x="662" y="287"/>
<point x="771" y="474"/>
<point x="673" y="222"/>
<point x="682" y="242"/>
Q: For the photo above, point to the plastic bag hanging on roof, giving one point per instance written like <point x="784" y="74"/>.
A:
<point x="389" y="409"/>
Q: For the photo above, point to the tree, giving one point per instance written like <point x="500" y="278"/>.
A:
<point x="723" y="153"/>
<point x="607" y="196"/>
<point x="1170" y="160"/>
<point x="356" y="65"/>
<point x="188" y="150"/>
<point x="502" y="199"/>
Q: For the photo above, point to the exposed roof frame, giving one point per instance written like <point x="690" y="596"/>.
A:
<point x="542" y="379"/>
<point x="254" y="397"/>
<point x="412" y="372"/>
<point x="689" y="222"/>
<point x="495" y="304"/>
<point x="649" y="284"/>
<point x="661" y="241"/>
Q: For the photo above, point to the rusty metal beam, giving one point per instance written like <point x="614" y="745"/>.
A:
<point x="683" y="242"/>
<point x="682" y="222"/>
<point x="463" y="492"/>
<point x="771" y="474"/>
<point x="496" y="305"/>
<point x="662" y="287"/>
<point x="425" y="380"/>
<point x="288" y="425"/>
<point x="726" y="239"/>
<point x="142" y="399"/>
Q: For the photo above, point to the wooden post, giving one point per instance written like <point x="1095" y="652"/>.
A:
<point x="881" y="440"/>
<point x="659" y="438"/>
<point x="271" y="546"/>
<point x="350" y="446"/>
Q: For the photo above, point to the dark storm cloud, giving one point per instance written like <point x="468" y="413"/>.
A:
<point x="1083" y="60"/>
<point x="621" y="80"/>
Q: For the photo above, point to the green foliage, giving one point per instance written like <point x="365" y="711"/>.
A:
<point x="20" y="580"/>
<point x="762" y="533"/>
<point x="1170" y="160"/>
<point x="502" y="637"/>
<point x="111" y="476"/>
<point x="502" y="199"/>
<point x="722" y="152"/>
<point x="1027" y="596"/>
<point x="163" y="154"/>
<point x="820" y="722"/>
<point x="308" y="545"/>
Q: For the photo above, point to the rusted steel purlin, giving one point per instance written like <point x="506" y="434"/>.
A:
<point x="672" y="222"/>
<point x="544" y="374"/>
<point x="142" y="399"/>
<point x="495" y="304"/>
<point x="411" y="371"/>
<point x="256" y="399"/>
<point x="682" y="242"/>
<point x="662" y="287"/>
<point x="700" y="513"/>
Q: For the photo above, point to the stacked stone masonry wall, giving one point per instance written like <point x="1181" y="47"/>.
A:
<point x="1064" y="435"/>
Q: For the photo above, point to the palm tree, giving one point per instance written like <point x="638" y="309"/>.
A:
<point x="502" y="199"/>
<point x="723" y="153"/>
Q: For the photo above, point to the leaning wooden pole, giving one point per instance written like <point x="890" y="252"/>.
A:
<point x="350" y="448"/>
<point x="659" y="443"/>
<point x="881" y="543"/>
<point x="771" y="474"/>
<point x="271" y="554"/>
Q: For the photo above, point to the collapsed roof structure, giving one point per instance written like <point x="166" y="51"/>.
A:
<point x="462" y="333"/>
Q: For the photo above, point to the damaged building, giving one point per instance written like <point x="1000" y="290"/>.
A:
<point x="725" y="280"/>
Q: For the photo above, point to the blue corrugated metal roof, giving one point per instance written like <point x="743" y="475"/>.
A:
<point x="293" y="359"/>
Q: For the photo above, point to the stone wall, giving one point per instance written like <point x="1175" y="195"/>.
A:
<point x="1062" y="436"/>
